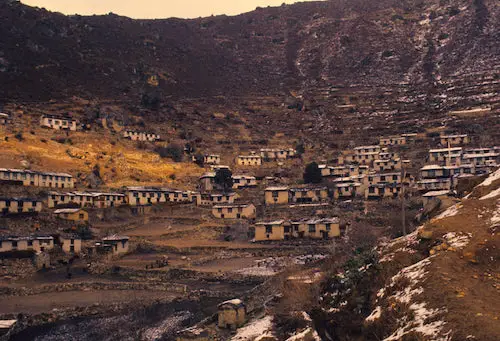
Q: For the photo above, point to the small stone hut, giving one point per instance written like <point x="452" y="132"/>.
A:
<point x="231" y="314"/>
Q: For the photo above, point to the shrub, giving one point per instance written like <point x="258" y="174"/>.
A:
<point x="312" y="174"/>
<point x="173" y="151"/>
<point x="224" y="179"/>
<point x="199" y="159"/>
<point x="19" y="136"/>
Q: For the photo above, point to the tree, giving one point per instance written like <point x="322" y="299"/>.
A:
<point x="173" y="151"/>
<point x="224" y="179"/>
<point x="299" y="148"/>
<point x="199" y="159"/>
<point x="312" y="174"/>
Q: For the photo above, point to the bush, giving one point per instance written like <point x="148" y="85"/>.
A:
<point x="312" y="174"/>
<point x="173" y="151"/>
<point x="19" y="136"/>
<point x="199" y="159"/>
<point x="224" y="179"/>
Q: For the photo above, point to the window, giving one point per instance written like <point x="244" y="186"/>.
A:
<point x="286" y="229"/>
<point x="269" y="229"/>
<point x="371" y="190"/>
<point x="328" y="227"/>
<point x="312" y="228"/>
<point x="30" y="243"/>
<point x="81" y="216"/>
<point x="14" y="243"/>
<point x="275" y="194"/>
<point x="219" y="210"/>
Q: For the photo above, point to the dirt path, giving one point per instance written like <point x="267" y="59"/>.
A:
<point x="40" y="303"/>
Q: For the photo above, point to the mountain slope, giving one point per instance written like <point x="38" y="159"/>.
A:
<point x="47" y="55"/>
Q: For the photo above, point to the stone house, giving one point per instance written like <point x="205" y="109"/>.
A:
<point x="347" y="190"/>
<point x="315" y="228"/>
<point x="454" y="140"/>
<point x="387" y="165"/>
<point x="231" y="314"/>
<point x="212" y="159"/>
<point x="86" y="199"/>
<point x="382" y="190"/>
<point x="244" y="181"/>
<point x="249" y="160"/>
<point x="269" y="154"/>
<point x="72" y="214"/>
<point x="276" y="195"/>
<point x="485" y="159"/>
<point x="434" y="184"/>
<point x="58" y="122"/>
<point x="445" y="196"/>
<point x="145" y="196"/>
<point x="392" y="141"/>
<point x="71" y="244"/>
<point x="141" y="136"/>
<point x="19" y="205"/>
<point x="241" y="211"/>
<point x="35" y="243"/>
<point x="207" y="182"/>
<point x="374" y="179"/>
<point x="37" y="179"/>
<point x="209" y="199"/>
<point x="272" y="230"/>
<point x="4" y="118"/>
<point x="117" y="244"/>
<point x="446" y="156"/>
<point x="308" y="195"/>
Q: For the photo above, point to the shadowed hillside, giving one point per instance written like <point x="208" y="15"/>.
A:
<point x="46" y="55"/>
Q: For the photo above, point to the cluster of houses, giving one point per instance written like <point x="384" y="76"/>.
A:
<point x="447" y="165"/>
<point x="254" y="159"/>
<point x="58" y="122"/>
<point x="141" y="136"/>
<point x="313" y="228"/>
<point x="68" y="243"/>
<point x="37" y="179"/>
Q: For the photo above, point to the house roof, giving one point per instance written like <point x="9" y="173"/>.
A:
<point x="283" y="188"/>
<point x="446" y="150"/>
<point x="7" y="324"/>
<point x="244" y="177"/>
<point x="234" y="302"/>
<point x="3" y="114"/>
<point x="27" y="171"/>
<point x="367" y="147"/>
<point x="232" y="206"/>
<point x="67" y="210"/>
<point x="209" y="175"/>
<point x="20" y="199"/>
<point x="436" y="193"/>
<point x="275" y="222"/>
<point x="32" y="237"/>
<point x="305" y="189"/>
<point x="115" y="237"/>
<point x="332" y="220"/>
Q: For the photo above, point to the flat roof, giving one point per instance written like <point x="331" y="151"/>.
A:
<point x="27" y="171"/>
<point x="442" y="150"/>
<point x="7" y="324"/>
<point x="231" y="205"/>
<point x="67" y="210"/>
<point x="436" y="193"/>
<point x="275" y="222"/>
<point x="277" y="188"/>
<point x="115" y="237"/>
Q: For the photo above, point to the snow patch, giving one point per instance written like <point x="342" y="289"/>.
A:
<point x="450" y="212"/>
<point x="375" y="315"/>
<point x="457" y="240"/>
<point x="491" y="195"/>
<point x="254" y="329"/>
<point x="304" y="335"/>
<point x="492" y="178"/>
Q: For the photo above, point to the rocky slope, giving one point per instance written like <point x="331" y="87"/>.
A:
<point x="302" y="47"/>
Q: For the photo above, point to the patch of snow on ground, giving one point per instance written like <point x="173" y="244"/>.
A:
<point x="272" y="265"/>
<point x="375" y="315"/>
<point x="450" y="212"/>
<point x="495" y="219"/>
<point x="492" y="178"/>
<point x="421" y="315"/>
<point x="491" y="195"/>
<point x="457" y="240"/>
<point x="254" y="329"/>
<point x="303" y="335"/>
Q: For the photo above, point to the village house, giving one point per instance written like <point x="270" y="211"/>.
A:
<point x="141" y="136"/>
<point x="382" y="190"/>
<point x="445" y="197"/>
<point x="249" y="160"/>
<point x="35" y="243"/>
<point x="244" y="181"/>
<point x="231" y="314"/>
<point x="145" y="196"/>
<point x="4" y="118"/>
<point x="409" y="136"/>
<point x="277" y="154"/>
<point x="207" y="182"/>
<point x="387" y="155"/>
<point x="212" y="159"/>
<point x="434" y="184"/>
<point x="484" y="159"/>
<point x="454" y="140"/>
<point x="58" y="122"/>
<point x="216" y="168"/>
<point x="436" y="171"/>
<point x="242" y="211"/>
<point x="117" y="244"/>
<point x="72" y="214"/>
<point x="70" y="243"/>
<point x="315" y="228"/>
<point x="387" y="165"/>
<point x="384" y="178"/>
<point x="209" y="199"/>
<point x="392" y="141"/>
<point x="272" y="230"/>
<point x="37" y="179"/>
<point x="19" y="205"/>
<point x="347" y="190"/>
<point x="276" y="195"/>
<point x="445" y="156"/>
<point x="86" y="199"/>
<point x="308" y="195"/>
